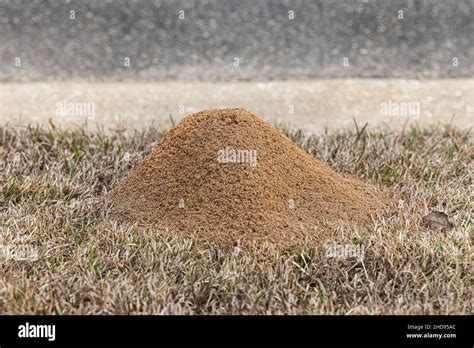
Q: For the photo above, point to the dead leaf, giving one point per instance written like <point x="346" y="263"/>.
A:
<point x="437" y="220"/>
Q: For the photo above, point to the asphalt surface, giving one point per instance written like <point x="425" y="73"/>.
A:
<point x="204" y="44"/>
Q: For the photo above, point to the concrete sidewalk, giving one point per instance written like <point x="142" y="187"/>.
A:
<point x="273" y="40"/>
<point x="313" y="104"/>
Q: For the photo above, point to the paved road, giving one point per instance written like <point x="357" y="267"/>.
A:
<point x="313" y="104"/>
<point x="269" y="43"/>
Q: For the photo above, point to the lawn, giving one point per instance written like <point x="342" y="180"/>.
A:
<point x="61" y="254"/>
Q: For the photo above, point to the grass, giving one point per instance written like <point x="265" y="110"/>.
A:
<point x="52" y="182"/>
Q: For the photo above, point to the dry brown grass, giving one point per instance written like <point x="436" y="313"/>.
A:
<point x="52" y="184"/>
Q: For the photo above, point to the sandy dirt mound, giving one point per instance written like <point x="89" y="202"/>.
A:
<point x="225" y="175"/>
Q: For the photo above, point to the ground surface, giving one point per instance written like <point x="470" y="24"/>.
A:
<point x="52" y="186"/>
<point x="267" y="40"/>
<point x="312" y="105"/>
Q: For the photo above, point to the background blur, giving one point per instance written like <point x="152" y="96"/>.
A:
<point x="142" y="61"/>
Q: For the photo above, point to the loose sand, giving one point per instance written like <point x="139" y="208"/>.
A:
<point x="225" y="175"/>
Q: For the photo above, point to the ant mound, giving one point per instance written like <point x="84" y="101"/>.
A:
<point x="226" y="176"/>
